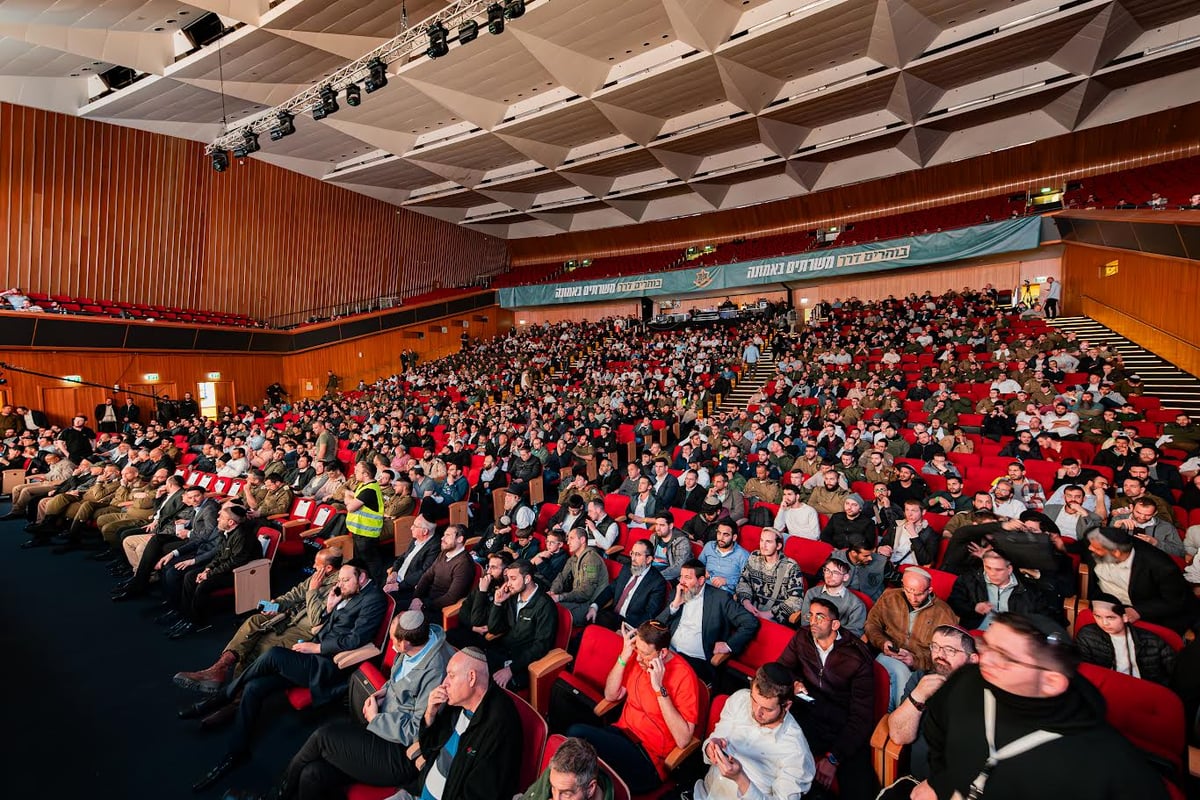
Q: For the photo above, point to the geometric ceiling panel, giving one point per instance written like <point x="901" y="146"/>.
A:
<point x="586" y="114"/>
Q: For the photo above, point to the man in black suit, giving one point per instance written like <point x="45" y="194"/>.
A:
<point x="129" y="414"/>
<point x="410" y="565"/>
<point x="1153" y="584"/>
<point x="691" y="494"/>
<point x="636" y="603"/>
<point x="356" y="607"/>
<point x="107" y="417"/>
<point x="666" y="485"/>
<point x="706" y="622"/>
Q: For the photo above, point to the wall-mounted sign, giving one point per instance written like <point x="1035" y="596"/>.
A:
<point x="150" y="377"/>
<point x="1112" y="268"/>
<point x="214" y="376"/>
<point x="73" y="378"/>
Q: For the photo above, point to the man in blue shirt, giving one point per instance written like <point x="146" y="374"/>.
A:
<point x="724" y="558"/>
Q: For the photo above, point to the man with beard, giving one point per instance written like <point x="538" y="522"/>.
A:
<point x="705" y="621"/>
<point x="1023" y="721"/>
<point x="951" y="648"/>
<point x="1145" y="579"/>
<point x="637" y="594"/>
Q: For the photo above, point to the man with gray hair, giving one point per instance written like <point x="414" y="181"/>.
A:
<point x="1146" y="580"/>
<point x="574" y="772"/>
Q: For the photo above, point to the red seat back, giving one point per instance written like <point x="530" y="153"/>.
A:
<point x="534" y="733"/>
<point x="808" y="553"/>
<point x="766" y="646"/>
<point x="1147" y="714"/>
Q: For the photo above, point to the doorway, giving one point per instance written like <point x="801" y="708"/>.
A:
<point x="214" y="396"/>
<point x="150" y="407"/>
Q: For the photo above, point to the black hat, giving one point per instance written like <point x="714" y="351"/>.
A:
<point x="1116" y="535"/>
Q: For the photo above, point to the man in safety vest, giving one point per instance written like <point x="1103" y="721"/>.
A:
<point x="364" y="519"/>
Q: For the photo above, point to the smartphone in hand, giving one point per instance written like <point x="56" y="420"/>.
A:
<point x="268" y="607"/>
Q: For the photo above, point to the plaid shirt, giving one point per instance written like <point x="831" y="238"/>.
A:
<point x="758" y="581"/>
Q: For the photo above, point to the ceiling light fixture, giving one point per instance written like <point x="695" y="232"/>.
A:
<point x="285" y="126"/>
<point x="220" y="161"/>
<point x="514" y="9"/>
<point x="376" y="75"/>
<point x="495" y="19"/>
<point x="438" y="46"/>
<point x="353" y="94"/>
<point x="326" y="103"/>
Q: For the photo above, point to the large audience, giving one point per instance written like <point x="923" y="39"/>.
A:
<point x="932" y="511"/>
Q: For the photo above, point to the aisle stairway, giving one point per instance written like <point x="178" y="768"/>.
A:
<point x="1176" y="388"/>
<point x="751" y="382"/>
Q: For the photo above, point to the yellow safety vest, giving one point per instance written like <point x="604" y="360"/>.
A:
<point x="364" y="521"/>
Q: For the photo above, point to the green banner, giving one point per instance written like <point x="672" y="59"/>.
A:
<point x="994" y="238"/>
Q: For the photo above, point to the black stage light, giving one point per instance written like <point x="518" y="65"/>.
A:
<point x="285" y="126"/>
<point x="248" y="145"/>
<point x="326" y="104"/>
<point x="514" y="8"/>
<point x="495" y="14"/>
<point x="377" y="75"/>
<point x="220" y="160"/>
<point x="468" y="31"/>
<point x="438" y="46"/>
<point x="353" y="95"/>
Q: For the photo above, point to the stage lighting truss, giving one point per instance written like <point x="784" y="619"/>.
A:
<point x="371" y="68"/>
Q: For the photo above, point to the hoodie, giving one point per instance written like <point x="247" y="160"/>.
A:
<point x="1091" y="759"/>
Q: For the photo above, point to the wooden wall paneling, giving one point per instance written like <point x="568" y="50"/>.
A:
<point x="95" y="210"/>
<point x="1151" y="299"/>
<point x="1158" y="137"/>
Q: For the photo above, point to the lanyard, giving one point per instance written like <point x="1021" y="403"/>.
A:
<point x="1014" y="748"/>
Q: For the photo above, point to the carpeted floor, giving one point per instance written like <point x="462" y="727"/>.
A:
<point x="91" y="709"/>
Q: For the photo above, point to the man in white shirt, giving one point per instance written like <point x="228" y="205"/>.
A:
<point x="1062" y="423"/>
<point x="796" y="517"/>
<point x="757" y="748"/>
<point x="1004" y="502"/>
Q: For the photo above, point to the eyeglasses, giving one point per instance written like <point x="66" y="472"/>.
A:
<point x="817" y="615"/>
<point x="935" y="648"/>
<point x="1003" y="660"/>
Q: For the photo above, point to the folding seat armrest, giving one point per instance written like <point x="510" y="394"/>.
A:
<point x="605" y="706"/>
<point x="885" y="753"/>
<point x="615" y="550"/>
<point x="542" y="674"/>
<point x="348" y="658"/>
<point x="450" y="615"/>
<point x="250" y="566"/>
<point x="680" y="754"/>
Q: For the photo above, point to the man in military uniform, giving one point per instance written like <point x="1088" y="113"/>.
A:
<point x="77" y="508"/>
<point x="276" y="498"/>
<point x="133" y="502"/>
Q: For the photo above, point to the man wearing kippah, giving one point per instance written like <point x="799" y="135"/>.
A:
<point x="236" y="546"/>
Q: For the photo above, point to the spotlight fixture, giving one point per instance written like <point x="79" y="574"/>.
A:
<point x="353" y="95"/>
<point x="220" y="160"/>
<point x="326" y="104"/>
<point x="438" y="46"/>
<point x="514" y="8"/>
<point x="285" y="126"/>
<point x="248" y="145"/>
<point x="495" y="14"/>
<point x="377" y="75"/>
<point x="468" y="31"/>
